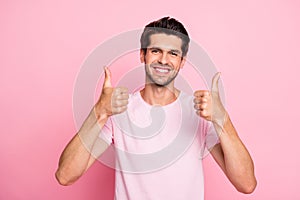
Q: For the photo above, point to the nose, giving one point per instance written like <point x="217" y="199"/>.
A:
<point x="163" y="59"/>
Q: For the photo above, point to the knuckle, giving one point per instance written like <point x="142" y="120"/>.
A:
<point x="124" y="89"/>
<point x="126" y="96"/>
<point x="118" y="97"/>
<point x="115" y="103"/>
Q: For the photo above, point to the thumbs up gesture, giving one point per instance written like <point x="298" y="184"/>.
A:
<point x="112" y="100"/>
<point x="208" y="104"/>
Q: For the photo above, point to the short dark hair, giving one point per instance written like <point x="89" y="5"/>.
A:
<point x="169" y="26"/>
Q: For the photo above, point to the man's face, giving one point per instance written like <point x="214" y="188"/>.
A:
<point x="163" y="59"/>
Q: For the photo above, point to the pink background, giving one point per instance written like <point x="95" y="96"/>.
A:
<point x="254" y="44"/>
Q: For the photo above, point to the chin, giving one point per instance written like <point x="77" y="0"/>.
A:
<point x="162" y="84"/>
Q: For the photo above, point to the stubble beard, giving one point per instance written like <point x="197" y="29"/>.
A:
<point x="153" y="80"/>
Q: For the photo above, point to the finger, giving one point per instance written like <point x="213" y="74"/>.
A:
<point x="203" y="106"/>
<point x="121" y="96"/>
<point x="121" y="90"/>
<point x="120" y="93"/>
<point x="201" y="100"/>
<point x="201" y="93"/>
<point x="107" y="78"/>
<point x="197" y="100"/>
<point x="118" y="110"/>
<point x="202" y="113"/>
<point x="215" y="81"/>
<point x="120" y="103"/>
<point x="197" y="106"/>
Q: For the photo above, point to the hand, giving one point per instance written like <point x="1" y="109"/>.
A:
<point x="208" y="104"/>
<point x="112" y="100"/>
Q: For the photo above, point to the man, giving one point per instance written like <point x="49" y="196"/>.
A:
<point x="162" y="163"/>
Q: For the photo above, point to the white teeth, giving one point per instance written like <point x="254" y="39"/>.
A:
<point x="162" y="70"/>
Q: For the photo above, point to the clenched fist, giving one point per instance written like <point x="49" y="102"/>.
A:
<point x="112" y="100"/>
<point x="208" y="104"/>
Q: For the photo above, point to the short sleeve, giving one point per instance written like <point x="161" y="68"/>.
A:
<point x="106" y="132"/>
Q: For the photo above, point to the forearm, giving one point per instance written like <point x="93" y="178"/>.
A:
<point x="238" y="164"/>
<point x="77" y="156"/>
<point x="86" y="145"/>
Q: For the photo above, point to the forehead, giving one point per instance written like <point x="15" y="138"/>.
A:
<point x="164" y="41"/>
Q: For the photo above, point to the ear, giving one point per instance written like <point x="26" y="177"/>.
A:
<point x="182" y="62"/>
<point x="142" y="56"/>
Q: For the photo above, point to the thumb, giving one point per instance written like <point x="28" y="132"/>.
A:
<point x="107" y="78"/>
<point x="215" y="81"/>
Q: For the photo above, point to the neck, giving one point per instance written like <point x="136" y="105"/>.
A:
<point x="156" y="95"/>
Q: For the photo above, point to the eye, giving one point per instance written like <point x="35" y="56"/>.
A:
<point x="154" y="51"/>
<point x="174" y="53"/>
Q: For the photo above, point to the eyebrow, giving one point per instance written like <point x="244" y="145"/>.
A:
<point x="170" y="50"/>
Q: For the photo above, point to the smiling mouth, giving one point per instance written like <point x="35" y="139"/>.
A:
<point x="161" y="70"/>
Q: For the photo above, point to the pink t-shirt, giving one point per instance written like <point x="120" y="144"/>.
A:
<point x="158" y="150"/>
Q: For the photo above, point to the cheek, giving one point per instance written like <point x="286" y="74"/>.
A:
<point x="150" y="59"/>
<point x="177" y="64"/>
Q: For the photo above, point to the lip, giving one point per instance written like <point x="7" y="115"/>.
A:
<point x="161" y="70"/>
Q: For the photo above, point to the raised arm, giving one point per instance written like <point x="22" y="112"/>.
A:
<point x="230" y="154"/>
<point x="86" y="146"/>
